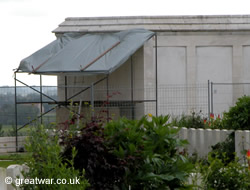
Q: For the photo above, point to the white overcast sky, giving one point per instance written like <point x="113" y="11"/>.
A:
<point x="26" y="25"/>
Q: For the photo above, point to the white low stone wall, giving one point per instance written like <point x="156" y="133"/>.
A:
<point x="201" y="140"/>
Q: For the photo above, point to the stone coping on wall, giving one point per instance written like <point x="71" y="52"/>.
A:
<point x="156" y="23"/>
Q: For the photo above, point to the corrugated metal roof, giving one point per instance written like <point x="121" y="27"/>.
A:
<point x="156" y="23"/>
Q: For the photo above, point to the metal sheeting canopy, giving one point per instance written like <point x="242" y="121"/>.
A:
<point x="89" y="53"/>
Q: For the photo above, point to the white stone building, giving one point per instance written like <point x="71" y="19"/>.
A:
<point x="190" y="51"/>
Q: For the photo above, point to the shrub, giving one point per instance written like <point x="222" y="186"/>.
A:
<point x="140" y="154"/>
<point x="195" y="120"/>
<point x="198" y="120"/>
<point x="214" y="123"/>
<point x="220" y="175"/>
<point x="103" y="169"/>
<point x="238" y="116"/>
<point x="45" y="162"/>
<point x="225" y="149"/>
<point x="150" y="151"/>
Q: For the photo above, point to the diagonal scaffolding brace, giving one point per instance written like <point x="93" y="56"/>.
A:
<point x="65" y="103"/>
<point x="67" y="99"/>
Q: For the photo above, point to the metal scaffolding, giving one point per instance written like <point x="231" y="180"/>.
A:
<point x="66" y="102"/>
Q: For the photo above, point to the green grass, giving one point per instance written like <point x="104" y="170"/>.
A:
<point x="14" y="156"/>
<point x="4" y="157"/>
<point x="5" y="164"/>
<point x="9" y="159"/>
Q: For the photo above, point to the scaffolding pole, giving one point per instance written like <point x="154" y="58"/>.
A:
<point x="41" y="99"/>
<point x="132" y="87"/>
<point x="156" y="77"/>
<point x="16" y="114"/>
<point x="208" y="95"/>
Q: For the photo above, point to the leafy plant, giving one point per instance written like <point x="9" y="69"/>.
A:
<point x="150" y="151"/>
<point x="195" y="120"/>
<point x="123" y="154"/>
<point x="238" y="116"/>
<point x="225" y="150"/>
<point x="198" y="120"/>
<point x="103" y="169"/>
<point x="214" y="123"/>
<point x="125" y="139"/>
<point x="46" y="162"/>
<point x="220" y="175"/>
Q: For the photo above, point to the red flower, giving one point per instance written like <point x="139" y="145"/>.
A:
<point x="211" y="115"/>
<point x="248" y="154"/>
<point x="205" y="121"/>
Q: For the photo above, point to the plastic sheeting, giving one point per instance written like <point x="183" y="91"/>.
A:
<point x="90" y="53"/>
